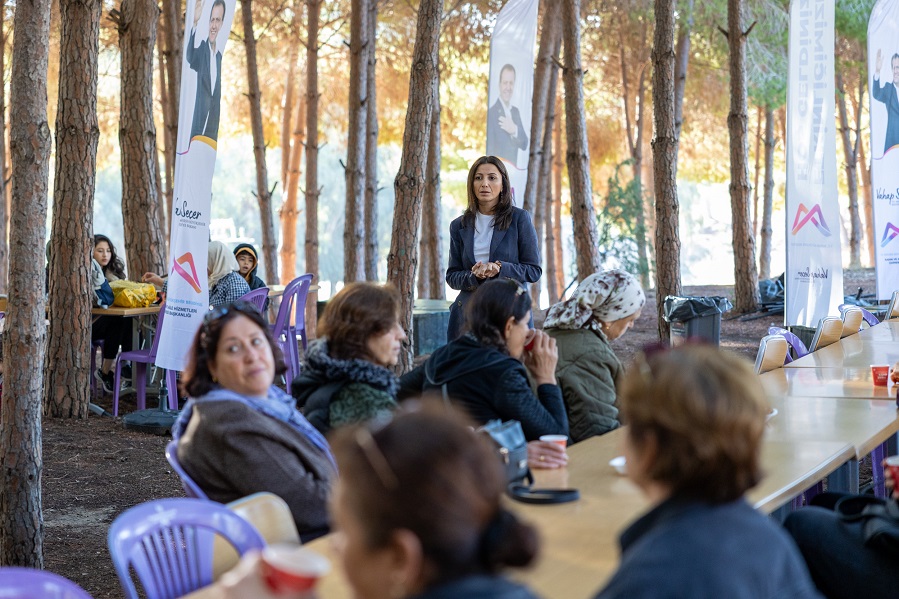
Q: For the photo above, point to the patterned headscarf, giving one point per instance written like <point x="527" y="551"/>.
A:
<point x="221" y="262"/>
<point x="602" y="297"/>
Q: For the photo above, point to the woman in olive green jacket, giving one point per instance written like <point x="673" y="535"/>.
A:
<point x="602" y="308"/>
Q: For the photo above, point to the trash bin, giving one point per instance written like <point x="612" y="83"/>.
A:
<point x="695" y="317"/>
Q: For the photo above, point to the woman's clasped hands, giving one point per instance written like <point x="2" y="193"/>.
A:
<point x="486" y="270"/>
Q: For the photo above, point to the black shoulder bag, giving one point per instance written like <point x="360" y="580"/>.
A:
<point x="879" y="518"/>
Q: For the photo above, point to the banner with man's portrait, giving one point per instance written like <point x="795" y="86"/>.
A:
<point x="511" y="89"/>
<point x="814" y="272"/>
<point x="207" y="26"/>
<point x="883" y="89"/>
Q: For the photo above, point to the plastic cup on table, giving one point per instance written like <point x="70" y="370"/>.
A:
<point x="880" y="374"/>
<point x="291" y="568"/>
<point x="560" y="440"/>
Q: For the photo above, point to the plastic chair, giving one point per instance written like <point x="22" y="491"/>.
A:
<point x="95" y="345"/>
<point x="893" y="308"/>
<point x="168" y="542"/>
<point x="793" y="342"/>
<point x="272" y="518"/>
<point x="285" y="332"/>
<point x="257" y="297"/>
<point x="28" y="583"/>
<point x="140" y="358"/>
<point x="191" y="488"/>
<point x="852" y="320"/>
<point x="772" y="353"/>
<point x="829" y="330"/>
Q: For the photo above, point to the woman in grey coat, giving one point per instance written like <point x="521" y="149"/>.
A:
<point x="603" y="307"/>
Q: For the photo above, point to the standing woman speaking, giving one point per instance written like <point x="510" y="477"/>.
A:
<point x="491" y="239"/>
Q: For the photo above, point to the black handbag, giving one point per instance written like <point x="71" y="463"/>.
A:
<point x="512" y="449"/>
<point x="879" y="519"/>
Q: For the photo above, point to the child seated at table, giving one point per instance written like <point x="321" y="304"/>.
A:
<point x="695" y="419"/>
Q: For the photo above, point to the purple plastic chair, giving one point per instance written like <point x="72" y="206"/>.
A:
<point x="794" y="342"/>
<point x="190" y="487"/>
<point x="168" y="543"/>
<point x="140" y="358"/>
<point x="866" y="316"/>
<point x="285" y="333"/>
<point x="257" y="297"/>
<point x="28" y="583"/>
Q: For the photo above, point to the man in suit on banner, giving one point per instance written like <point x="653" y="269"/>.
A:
<point x="888" y="93"/>
<point x="206" y="60"/>
<point x="505" y="133"/>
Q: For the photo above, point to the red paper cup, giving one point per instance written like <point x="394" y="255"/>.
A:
<point x="891" y="465"/>
<point x="880" y="374"/>
<point x="529" y="340"/>
<point x="560" y="440"/>
<point x="291" y="568"/>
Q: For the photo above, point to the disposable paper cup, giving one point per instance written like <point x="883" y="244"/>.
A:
<point x="291" y="568"/>
<point x="560" y="440"/>
<point x="880" y="374"/>
<point x="529" y="340"/>
<point x="891" y="464"/>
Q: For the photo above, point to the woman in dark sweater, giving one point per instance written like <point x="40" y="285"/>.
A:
<point x="482" y="371"/>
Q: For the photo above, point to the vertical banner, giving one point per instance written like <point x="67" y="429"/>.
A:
<point x="814" y="273"/>
<point x="207" y="25"/>
<point x="511" y="89"/>
<point x="883" y="88"/>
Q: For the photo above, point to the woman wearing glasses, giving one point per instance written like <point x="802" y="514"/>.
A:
<point x="482" y="371"/>
<point x="240" y="434"/>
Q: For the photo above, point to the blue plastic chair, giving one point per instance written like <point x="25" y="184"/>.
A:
<point x="28" y="583"/>
<point x="285" y="333"/>
<point x="168" y="542"/>
<point x="190" y="487"/>
<point x="257" y="297"/>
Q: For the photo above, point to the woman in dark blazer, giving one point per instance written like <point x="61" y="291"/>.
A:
<point x="491" y="239"/>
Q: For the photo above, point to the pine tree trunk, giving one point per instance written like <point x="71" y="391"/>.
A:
<point x="411" y="178"/>
<point x="174" y="47"/>
<point x="634" y="128"/>
<point x="551" y="31"/>
<point x="21" y="460"/>
<point x="431" y="273"/>
<point x="4" y="212"/>
<point x="289" y="211"/>
<point x="558" y="164"/>
<point x="354" y="225"/>
<point x="768" y="201"/>
<point x="144" y="240"/>
<point x="371" y="149"/>
<point x="583" y="214"/>
<point x="290" y="84"/>
<point x="67" y="386"/>
<point x="681" y="63"/>
<point x="850" y="154"/>
<point x="263" y="194"/>
<point x="756" y="173"/>
<point x="664" y="155"/>
<point x="746" y="294"/>
<point x="168" y="147"/>
<point x="313" y="15"/>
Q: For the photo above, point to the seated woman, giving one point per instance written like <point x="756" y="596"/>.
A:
<point x="603" y="307"/>
<point x="345" y="377"/>
<point x="113" y="331"/>
<point x="841" y="562"/>
<point x="420" y="513"/>
<point x="248" y="262"/>
<point x="695" y="419"/>
<point x="225" y="283"/>
<point x="240" y="434"/>
<point x="482" y="370"/>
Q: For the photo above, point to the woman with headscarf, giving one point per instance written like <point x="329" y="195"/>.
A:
<point x="603" y="307"/>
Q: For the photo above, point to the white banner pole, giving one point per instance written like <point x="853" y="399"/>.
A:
<point x="814" y="273"/>
<point x="207" y="25"/>
<point x="511" y="88"/>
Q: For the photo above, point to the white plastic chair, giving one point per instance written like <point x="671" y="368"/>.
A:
<point x="829" y="330"/>
<point x="852" y="318"/>
<point x="893" y="308"/>
<point x="772" y="353"/>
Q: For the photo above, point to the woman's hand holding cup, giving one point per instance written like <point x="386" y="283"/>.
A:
<point x="542" y="358"/>
<point x="546" y="454"/>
